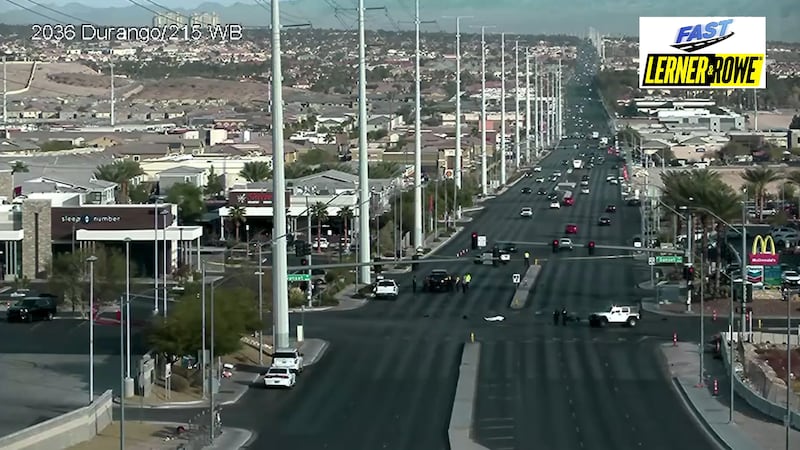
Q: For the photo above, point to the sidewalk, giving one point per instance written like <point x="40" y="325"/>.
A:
<point x="750" y="430"/>
<point x="159" y="436"/>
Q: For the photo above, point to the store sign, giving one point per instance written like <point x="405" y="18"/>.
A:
<point x="252" y="198"/>
<point x="90" y="219"/>
<point x="763" y="252"/>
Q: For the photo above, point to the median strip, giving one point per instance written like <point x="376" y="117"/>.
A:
<point x="525" y="286"/>
<point x="460" y="430"/>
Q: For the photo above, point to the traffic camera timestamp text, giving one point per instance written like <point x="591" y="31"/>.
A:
<point x="165" y="33"/>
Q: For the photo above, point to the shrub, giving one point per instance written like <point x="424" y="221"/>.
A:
<point x="178" y="383"/>
<point x="297" y="298"/>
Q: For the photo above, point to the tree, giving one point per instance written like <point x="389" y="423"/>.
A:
<point x="141" y="193"/>
<point x="17" y="167"/>
<point x="214" y="185"/>
<point x="120" y="172"/>
<point x="319" y="212"/>
<point x="255" y="171"/>
<point x="731" y="150"/>
<point x="346" y="214"/>
<point x="68" y="275"/>
<point x="237" y="215"/>
<point x="110" y="273"/>
<point x="384" y="169"/>
<point x="760" y="178"/>
<point x="189" y="199"/>
<point x="316" y="157"/>
<point x="180" y="334"/>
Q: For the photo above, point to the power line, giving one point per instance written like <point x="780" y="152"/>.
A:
<point x="69" y="16"/>
<point x="33" y="11"/>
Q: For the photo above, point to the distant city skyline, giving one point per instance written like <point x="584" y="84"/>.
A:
<point x="610" y="17"/>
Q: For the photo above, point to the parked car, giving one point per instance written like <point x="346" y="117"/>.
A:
<point x="28" y="309"/>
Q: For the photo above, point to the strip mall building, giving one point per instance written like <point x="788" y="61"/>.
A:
<point x="36" y="226"/>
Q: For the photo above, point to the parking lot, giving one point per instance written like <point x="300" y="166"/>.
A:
<point x="45" y="367"/>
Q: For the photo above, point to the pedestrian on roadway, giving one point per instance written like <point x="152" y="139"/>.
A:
<point x="564" y="316"/>
<point x="467" y="281"/>
<point x="414" y="284"/>
<point x="458" y="283"/>
<point x="527" y="259"/>
<point x="556" y="315"/>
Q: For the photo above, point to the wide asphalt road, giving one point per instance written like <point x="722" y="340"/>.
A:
<point x="388" y="380"/>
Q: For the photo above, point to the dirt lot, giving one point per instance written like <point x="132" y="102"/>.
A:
<point x="58" y="79"/>
<point x="137" y="435"/>
<point x="202" y="88"/>
<point x="768" y="120"/>
<point x="776" y="358"/>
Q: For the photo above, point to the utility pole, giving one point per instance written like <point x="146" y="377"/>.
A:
<point x="537" y="91"/>
<point x="528" y="124"/>
<point x="484" y="169"/>
<point x="755" y="109"/>
<point x="560" y="103"/>
<point x="417" y="132"/>
<point x="516" y="105"/>
<point x="113" y="96"/>
<point x="5" y="97"/>
<point x="363" y="166"/>
<point x="502" y="110"/>
<point x="457" y="171"/>
<point x="280" y="288"/>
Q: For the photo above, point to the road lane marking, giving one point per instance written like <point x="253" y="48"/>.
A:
<point x="497" y="427"/>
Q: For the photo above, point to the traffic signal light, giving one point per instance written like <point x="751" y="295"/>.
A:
<point x="306" y="248"/>
<point x="474" y="240"/>
<point x="591" y="247"/>
<point x="298" y="248"/>
<point x="555" y="245"/>
<point x="304" y="262"/>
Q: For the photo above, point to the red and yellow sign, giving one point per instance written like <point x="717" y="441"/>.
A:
<point x="763" y="252"/>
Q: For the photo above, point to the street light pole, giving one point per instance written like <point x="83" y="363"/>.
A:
<point x="128" y="379"/>
<point x="789" y="384"/>
<point x="308" y="227"/>
<point x="212" y="374"/>
<point x="91" y="260"/>
<point x="701" y="382"/>
<point x="155" y="257"/>
<point x="260" y="274"/>
<point x="122" y="379"/>
<point x="164" y="213"/>
<point x="203" y="360"/>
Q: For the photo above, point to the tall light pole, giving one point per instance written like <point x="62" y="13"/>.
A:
<point x="364" y="254"/>
<point x="155" y="256"/>
<point x="516" y="105"/>
<point x="128" y="379"/>
<point x="203" y="359"/>
<point x="537" y="89"/>
<point x="560" y="120"/>
<point x="164" y="214"/>
<point x="260" y="275"/>
<point x="212" y="373"/>
<point x="484" y="174"/>
<point x="418" y="243"/>
<point x="457" y="171"/>
<point x="113" y="96"/>
<point x="5" y="96"/>
<point x="280" y="283"/>
<point x="91" y="260"/>
<point x="502" y="109"/>
<point x="122" y="378"/>
<point x="528" y="124"/>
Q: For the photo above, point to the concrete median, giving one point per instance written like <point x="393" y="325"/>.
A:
<point x="460" y="430"/>
<point x="65" y="430"/>
<point x="525" y="287"/>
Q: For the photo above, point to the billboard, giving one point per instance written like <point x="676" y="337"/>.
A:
<point x="763" y="252"/>
<point x="702" y="52"/>
<point x="66" y="220"/>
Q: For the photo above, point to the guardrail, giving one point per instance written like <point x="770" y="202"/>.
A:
<point x="64" y="431"/>
<point x="754" y="399"/>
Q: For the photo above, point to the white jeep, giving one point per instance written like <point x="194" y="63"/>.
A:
<point x="288" y="358"/>
<point x="616" y="315"/>
<point x="386" y="289"/>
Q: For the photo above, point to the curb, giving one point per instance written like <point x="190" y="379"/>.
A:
<point x="247" y="436"/>
<point x="699" y="417"/>
<point x="443" y="243"/>
<point x="320" y="354"/>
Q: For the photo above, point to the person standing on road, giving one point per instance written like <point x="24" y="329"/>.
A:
<point x="527" y="259"/>
<point x="457" y="284"/>
<point x="563" y="316"/>
<point x="556" y="315"/>
<point x="414" y="284"/>
<point x="467" y="281"/>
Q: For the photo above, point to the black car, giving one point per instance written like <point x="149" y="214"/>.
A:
<point x="604" y="221"/>
<point x="541" y="192"/>
<point x="527" y="190"/>
<point x="438" y="280"/>
<point x="28" y="309"/>
<point x="611" y="209"/>
<point x="507" y="247"/>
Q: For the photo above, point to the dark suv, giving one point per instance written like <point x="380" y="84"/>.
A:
<point x="438" y="280"/>
<point x="42" y="307"/>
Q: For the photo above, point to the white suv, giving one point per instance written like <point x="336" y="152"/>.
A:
<point x="526" y="212"/>
<point x="279" y="377"/>
<point x="288" y="358"/>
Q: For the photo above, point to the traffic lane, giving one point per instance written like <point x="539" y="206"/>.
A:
<point x="393" y="393"/>
<point x="593" y="392"/>
<point x="65" y="336"/>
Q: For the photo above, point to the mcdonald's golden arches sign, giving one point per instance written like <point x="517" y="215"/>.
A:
<point x="763" y="252"/>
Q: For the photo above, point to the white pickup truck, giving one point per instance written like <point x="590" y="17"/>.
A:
<point x="616" y="315"/>
<point x="288" y="358"/>
<point x="386" y="289"/>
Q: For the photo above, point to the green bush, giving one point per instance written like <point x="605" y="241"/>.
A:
<point x="297" y="298"/>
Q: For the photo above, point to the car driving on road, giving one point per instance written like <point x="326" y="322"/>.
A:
<point x="526" y="190"/>
<point x="279" y="377"/>
<point x="571" y="228"/>
<point x="604" y="221"/>
<point x="526" y="212"/>
<point x="438" y="280"/>
<point x="565" y="244"/>
<point x="555" y="205"/>
<point x="386" y="289"/>
<point x="790" y="277"/>
<point x="615" y="315"/>
<point x="611" y="209"/>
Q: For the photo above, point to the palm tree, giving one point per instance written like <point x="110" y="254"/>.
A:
<point x="17" y="167"/>
<point x="237" y="215"/>
<point x="346" y="214"/>
<point x="760" y="177"/>
<point x="319" y="212"/>
<point x="255" y="171"/>
<point x="120" y="172"/>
